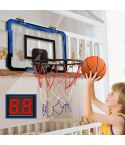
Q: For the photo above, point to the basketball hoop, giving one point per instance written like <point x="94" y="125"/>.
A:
<point x="60" y="76"/>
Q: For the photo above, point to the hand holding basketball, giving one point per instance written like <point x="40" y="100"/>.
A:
<point x="90" y="79"/>
<point x="94" y="64"/>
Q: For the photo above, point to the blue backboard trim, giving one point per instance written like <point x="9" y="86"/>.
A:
<point x="10" y="22"/>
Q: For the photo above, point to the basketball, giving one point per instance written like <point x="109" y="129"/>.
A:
<point x="94" y="64"/>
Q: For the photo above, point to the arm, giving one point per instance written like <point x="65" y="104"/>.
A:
<point x="97" y="102"/>
<point x="88" y="111"/>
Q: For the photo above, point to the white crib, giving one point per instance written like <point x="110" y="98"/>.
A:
<point x="49" y="127"/>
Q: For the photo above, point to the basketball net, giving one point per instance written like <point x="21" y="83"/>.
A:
<point x="56" y="90"/>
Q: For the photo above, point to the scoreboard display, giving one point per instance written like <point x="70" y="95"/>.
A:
<point x="20" y="106"/>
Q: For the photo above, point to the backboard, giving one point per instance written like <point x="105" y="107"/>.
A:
<point x="24" y="37"/>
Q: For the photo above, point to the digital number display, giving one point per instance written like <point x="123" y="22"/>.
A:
<point x="20" y="106"/>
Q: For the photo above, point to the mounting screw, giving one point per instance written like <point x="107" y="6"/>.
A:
<point x="19" y="19"/>
<point x="51" y="27"/>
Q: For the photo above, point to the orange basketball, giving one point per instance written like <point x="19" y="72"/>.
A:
<point x="94" y="64"/>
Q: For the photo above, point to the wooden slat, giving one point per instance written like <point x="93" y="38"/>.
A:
<point x="7" y="72"/>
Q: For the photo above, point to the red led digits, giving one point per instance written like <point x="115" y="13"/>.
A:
<point x="27" y="106"/>
<point x="13" y="108"/>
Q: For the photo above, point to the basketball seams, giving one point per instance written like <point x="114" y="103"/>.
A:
<point x="101" y="76"/>
<point x="88" y="64"/>
<point x="97" y="64"/>
<point x="101" y="69"/>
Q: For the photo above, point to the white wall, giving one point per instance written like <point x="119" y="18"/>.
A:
<point x="47" y="18"/>
<point x="116" y="45"/>
<point x="37" y="16"/>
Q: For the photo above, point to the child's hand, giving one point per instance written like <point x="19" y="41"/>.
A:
<point x="90" y="79"/>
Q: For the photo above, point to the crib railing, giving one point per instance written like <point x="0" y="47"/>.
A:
<point x="28" y="127"/>
<point x="48" y="126"/>
<point x="37" y="126"/>
<point x="78" y="130"/>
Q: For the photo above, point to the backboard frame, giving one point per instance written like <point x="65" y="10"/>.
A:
<point x="10" y="23"/>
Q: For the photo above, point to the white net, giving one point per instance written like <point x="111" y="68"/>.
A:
<point x="58" y="102"/>
<point x="58" y="87"/>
